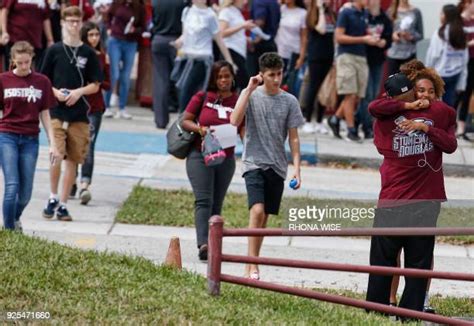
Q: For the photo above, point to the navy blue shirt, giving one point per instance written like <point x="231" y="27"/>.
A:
<point x="268" y="11"/>
<point x="355" y="23"/>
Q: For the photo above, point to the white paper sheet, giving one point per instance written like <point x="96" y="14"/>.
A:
<point x="226" y="134"/>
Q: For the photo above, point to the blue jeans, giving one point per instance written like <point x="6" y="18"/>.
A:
<point x="120" y="51"/>
<point x="450" y="83"/>
<point x="373" y="86"/>
<point x="18" y="155"/>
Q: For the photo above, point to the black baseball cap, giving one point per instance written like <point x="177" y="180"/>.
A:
<point x="397" y="84"/>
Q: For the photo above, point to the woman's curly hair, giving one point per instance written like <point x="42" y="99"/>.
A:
<point x="415" y="70"/>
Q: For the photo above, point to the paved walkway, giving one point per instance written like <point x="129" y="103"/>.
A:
<point x="122" y="167"/>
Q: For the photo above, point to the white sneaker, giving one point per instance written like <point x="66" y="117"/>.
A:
<point x="108" y="113"/>
<point x="114" y="100"/>
<point x="321" y="128"/>
<point x="123" y="114"/>
<point x="308" y="128"/>
<point x="343" y="126"/>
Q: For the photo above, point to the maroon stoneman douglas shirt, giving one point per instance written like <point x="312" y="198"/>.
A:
<point x="405" y="172"/>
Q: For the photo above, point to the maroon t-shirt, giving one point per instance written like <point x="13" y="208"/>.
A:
<point x="469" y="30"/>
<point x="405" y="172"/>
<point x="208" y="112"/>
<point x="96" y="100"/>
<point x="22" y="99"/>
<point x="119" y="16"/>
<point x="25" y="20"/>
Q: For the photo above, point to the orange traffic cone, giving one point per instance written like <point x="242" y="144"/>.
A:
<point x="173" y="257"/>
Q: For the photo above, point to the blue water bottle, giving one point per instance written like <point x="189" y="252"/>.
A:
<point x="293" y="183"/>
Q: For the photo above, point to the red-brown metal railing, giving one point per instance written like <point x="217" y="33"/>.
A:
<point x="216" y="257"/>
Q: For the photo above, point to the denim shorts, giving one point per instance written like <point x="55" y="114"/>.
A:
<point x="264" y="187"/>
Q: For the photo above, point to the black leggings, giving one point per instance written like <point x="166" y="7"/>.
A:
<point x="242" y="76"/>
<point x="317" y="72"/>
<point x="466" y="96"/>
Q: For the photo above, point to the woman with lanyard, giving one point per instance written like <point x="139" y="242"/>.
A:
<point x="210" y="184"/>
<point x="25" y="98"/>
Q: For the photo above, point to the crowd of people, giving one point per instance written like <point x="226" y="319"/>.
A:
<point x="257" y="77"/>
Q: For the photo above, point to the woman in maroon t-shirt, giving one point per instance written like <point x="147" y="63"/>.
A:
<point x="26" y="21"/>
<point x="25" y="97"/>
<point x="207" y="109"/>
<point x="467" y="9"/>
<point x="126" y="21"/>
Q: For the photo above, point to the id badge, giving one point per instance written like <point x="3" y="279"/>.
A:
<point x="221" y="112"/>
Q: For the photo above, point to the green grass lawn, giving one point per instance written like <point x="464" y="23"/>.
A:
<point x="176" y="208"/>
<point x="85" y="287"/>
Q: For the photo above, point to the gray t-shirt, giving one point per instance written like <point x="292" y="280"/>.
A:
<point x="267" y="121"/>
<point x="408" y="21"/>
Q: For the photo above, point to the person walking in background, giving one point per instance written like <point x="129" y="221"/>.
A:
<point x="466" y="7"/>
<point x="271" y="115"/>
<point x="125" y="22"/>
<point x="233" y="25"/>
<point x="200" y="28"/>
<point x="25" y="21"/>
<point x="379" y="26"/>
<point x="292" y="39"/>
<point x="166" y="29"/>
<point x="25" y="98"/>
<point x="407" y="31"/>
<point x="320" y="21"/>
<point x="448" y="53"/>
<point x="351" y="64"/>
<point x="207" y="109"/>
<point x="90" y="35"/>
<point x="266" y="15"/>
<point x="74" y="71"/>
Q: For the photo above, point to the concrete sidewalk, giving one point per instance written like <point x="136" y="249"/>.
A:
<point x="121" y="164"/>
<point x="139" y="136"/>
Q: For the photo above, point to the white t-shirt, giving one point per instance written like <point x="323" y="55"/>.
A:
<point x="200" y="26"/>
<point x="237" y="41"/>
<point x="289" y="33"/>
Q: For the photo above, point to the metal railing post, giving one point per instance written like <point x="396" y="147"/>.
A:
<point x="216" y="230"/>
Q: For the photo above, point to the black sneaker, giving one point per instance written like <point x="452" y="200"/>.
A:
<point x="334" y="127"/>
<point x="73" y="192"/>
<point x="203" y="252"/>
<point x="85" y="196"/>
<point x="48" y="211"/>
<point x="62" y="214"/>
<point x="353" y="137"/>
<point x="368" y="135"/>
<point x="429" y="309"/>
